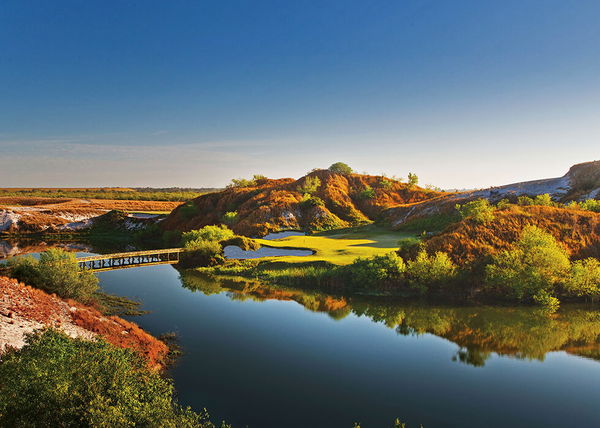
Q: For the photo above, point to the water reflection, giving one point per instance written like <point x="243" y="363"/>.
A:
<point x="478" y="331"/>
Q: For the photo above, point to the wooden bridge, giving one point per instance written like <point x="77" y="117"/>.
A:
<point x="129" y="260"/>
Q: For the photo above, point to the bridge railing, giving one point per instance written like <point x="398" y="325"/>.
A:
<point x="130" y="259"/>
<point x="130" y="254"/>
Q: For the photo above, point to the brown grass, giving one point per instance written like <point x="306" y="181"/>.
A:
<point x="467" y="241"/>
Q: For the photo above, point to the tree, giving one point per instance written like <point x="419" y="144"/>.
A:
<point x="310" y="185"/>
<point x="426" y="271"/>
<point x="479" y="210"/>
<point x="341" y="168"/>
<point x="367" y="193"/>
<point x="376" y="271"/>
<point x="55" y="380"/>
<point x="208" y="233"/>
<point x="584" y="279"/>
<point x="56" y="271"/>
<point x="413" y="179"/>
<point x="530" y="270"/>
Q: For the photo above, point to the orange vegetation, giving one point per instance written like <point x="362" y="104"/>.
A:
<point x="24" y="309"/>
<point x="71" y="205"/>
<point x="274" y="205"/>
<point x="466" y="241"/>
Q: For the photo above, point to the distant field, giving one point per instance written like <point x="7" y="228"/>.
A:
<point x="114" y="193"/>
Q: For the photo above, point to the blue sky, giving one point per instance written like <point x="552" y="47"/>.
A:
<point x="193" y="93"/>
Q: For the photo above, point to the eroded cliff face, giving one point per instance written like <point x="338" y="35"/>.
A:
<point x="274" y="205"/>
<point x="33" y="215"/>
<point x="581" y="182"/>
<point x="24" y="309"/>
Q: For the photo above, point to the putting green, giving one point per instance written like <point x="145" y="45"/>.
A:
<point x="339" y="247"/>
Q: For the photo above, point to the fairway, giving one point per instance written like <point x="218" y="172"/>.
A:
<point x="340" y="247"/>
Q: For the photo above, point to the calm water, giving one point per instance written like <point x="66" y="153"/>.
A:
<point x="272" y="357"/>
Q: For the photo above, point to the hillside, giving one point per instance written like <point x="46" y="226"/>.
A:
<point x="273" y="205"/>
<point x="467" y="241"/>
<point x="581" y="182"/>
<point x="24" y="309"/>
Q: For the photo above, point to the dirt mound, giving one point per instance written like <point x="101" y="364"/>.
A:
<point x="24" y="309"/>
<point x="467" y="241"/>
<point x="274" y="205"/>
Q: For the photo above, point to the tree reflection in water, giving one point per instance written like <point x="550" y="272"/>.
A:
<point x="478" y="331"/>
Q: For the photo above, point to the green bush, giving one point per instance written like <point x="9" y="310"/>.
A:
<point x="588" y="205"/>
<point x="544" y="200"/>
<point x="256" y="180"/>
<point x="426" y="271"/>
<point x="341" y="168"/>
<point x="376" y="272"/>
<point x="204" y="248"/>
<point x="385" y="183"/>
<point x="57" y="381"/>
<point x="208" y="233"/>
<point x="311" y="201"/>
<point x="230" y="217"/>
<point x="479" y="210"/>
<point x="584" y="279"/>
<point x="503" y="204"/>
<point x="310" y="185"/>
<point x="56" y="271"/>
<point x="524" y="201"/>
<point x="532" y="268"/>
<point x="367" y="193"/>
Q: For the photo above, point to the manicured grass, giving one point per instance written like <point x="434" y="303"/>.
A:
<point x="339" y="247"/>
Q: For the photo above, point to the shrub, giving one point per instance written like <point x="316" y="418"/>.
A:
<point x="242" y="182"/>
<point x="385" y="183"/>
<point x="310" y="185"/>
<point x="377" y="271"/>
<point x="57" y="271"/>
<point x="588" y="205"/>
<point x="426" y="271"/>
<point x="341" y="168"/>
<point x="208" y="233"/>
<point x="367" y="193"/>
<point x="584" y="279"/>
<point x="531" y="269"/>
<point x="524" y="200"/>
<point x="55" y="380"/>
<point x="230" y="217"/>
<point x="479" y="210"/>
<point x="204" y="248"/>
<point x="544" y="200"/>
<point x="591" y="205"/>
<point x="413" y="179"/>
<point x="312" y="201"/>
<point x="503" y="204"/>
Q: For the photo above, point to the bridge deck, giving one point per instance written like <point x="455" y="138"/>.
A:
<point x="114" y="261"/>
<point x="130" y="254"/>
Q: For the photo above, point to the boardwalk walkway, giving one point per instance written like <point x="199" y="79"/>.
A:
<point x="131" y="259"/>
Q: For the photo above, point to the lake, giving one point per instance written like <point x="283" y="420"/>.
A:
<point x="262" y="356"/>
